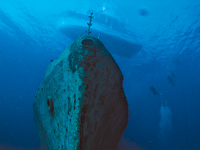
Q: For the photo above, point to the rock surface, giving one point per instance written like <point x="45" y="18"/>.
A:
<point x="80" y="104"/>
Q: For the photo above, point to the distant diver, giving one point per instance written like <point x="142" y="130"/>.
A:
<point x="153" y="89"/>
<point x="171" y="78"/>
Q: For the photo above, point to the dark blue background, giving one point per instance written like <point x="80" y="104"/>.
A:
<point x="169" y="33"/>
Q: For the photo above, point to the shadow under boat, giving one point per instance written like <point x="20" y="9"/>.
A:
<point x="114" y="42"/>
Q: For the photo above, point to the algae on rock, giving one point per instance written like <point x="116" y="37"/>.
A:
<point x="80" y="104"/>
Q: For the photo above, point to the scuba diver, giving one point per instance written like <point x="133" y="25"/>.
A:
<point x="153" y="89"/>
<point x="171" y="78"/>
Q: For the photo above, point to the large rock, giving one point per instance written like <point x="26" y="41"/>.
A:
<point x="80" y="104"/>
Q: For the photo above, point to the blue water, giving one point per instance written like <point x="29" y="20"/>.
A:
<point x="169" y="35"/>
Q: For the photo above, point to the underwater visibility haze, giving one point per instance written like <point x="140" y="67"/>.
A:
<point x="155" y="43"/>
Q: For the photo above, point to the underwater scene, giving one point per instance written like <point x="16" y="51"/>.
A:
<point x="156" y="45"/>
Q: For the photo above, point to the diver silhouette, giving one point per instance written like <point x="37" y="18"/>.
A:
<point x="153" y="89"/>
<point x="171" y="78"/>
